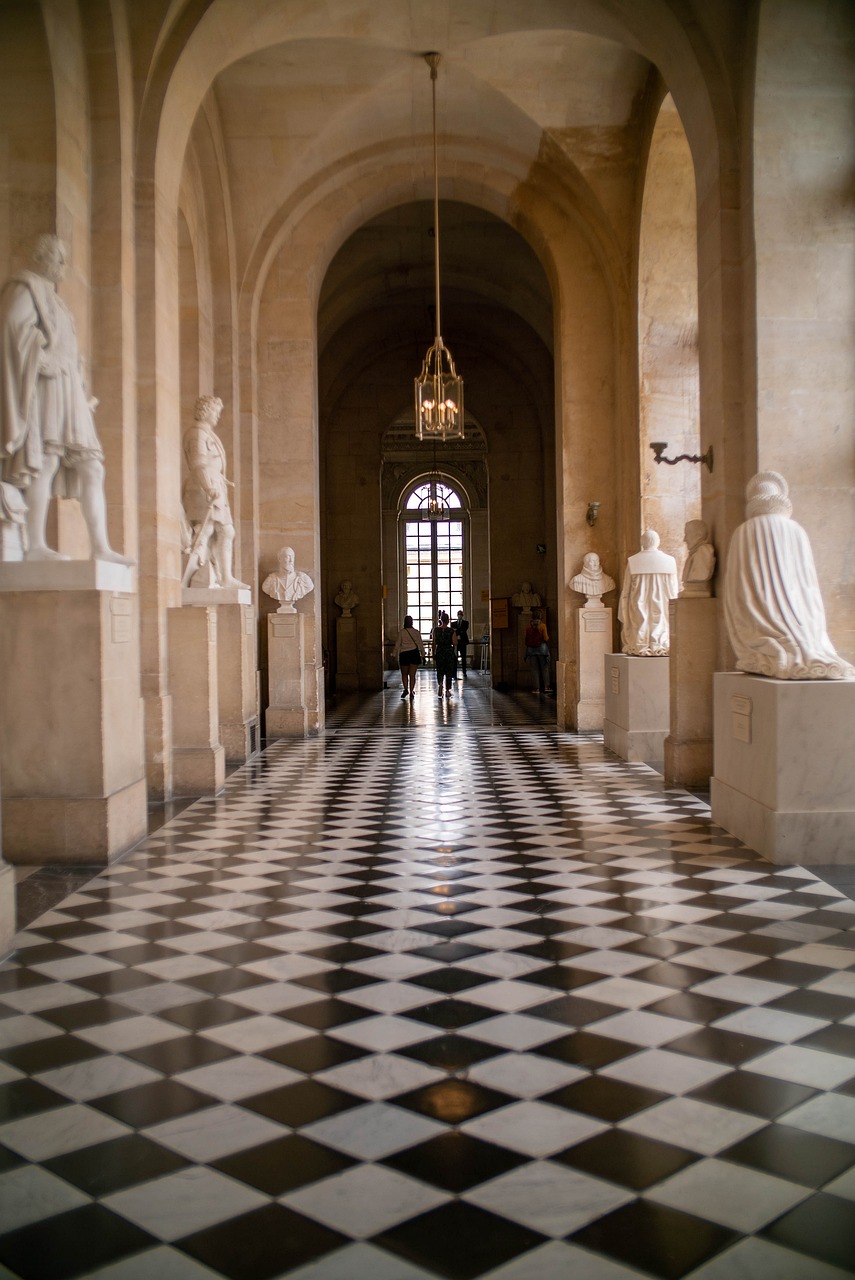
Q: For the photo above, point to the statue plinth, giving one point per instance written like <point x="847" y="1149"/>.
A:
<point x="636" y="714"/>
<point x="198" y="758"/>
<point x="593" y="642"/>
<point x="689" y="745"/>
<point x="291" y="676"/>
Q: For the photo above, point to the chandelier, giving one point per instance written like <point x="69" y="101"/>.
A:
<point x="439" y="391"/>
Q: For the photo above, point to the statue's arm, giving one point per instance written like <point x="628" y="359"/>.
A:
<point x="22" y="360"/>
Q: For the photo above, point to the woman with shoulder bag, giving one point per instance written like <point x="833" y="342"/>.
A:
<point x="409" y="651"/>
<point x="537" y="649"/>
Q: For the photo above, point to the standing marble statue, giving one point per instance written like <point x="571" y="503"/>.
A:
<point x="592" y="582"/>
<point x="48" y="443"/>
<point x="649" y="584"/>
<point x="700" y="564"/>
<point x="210" y="535"/>
<point x="346" y="599"/>
<point x="287" y="585"/>
<point x="773" y="607"/>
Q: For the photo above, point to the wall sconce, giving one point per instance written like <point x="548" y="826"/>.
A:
<point x="659" y="451"/>
<point x="593" y="512"/>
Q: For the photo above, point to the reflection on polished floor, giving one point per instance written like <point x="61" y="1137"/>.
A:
<point x="443" y="993"/>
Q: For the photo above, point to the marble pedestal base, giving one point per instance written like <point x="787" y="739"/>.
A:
<point x="237" y="676"/>
<point x="198" y="758"/>
<point x="593" y="642"/>
<point x="636" y="713"/>
<point x="689" y="745"/>
<point x="72" y="764"/>
<point x="784" y="779"/>
<point x="287" y="715"/>
<point x="346" y="672"/>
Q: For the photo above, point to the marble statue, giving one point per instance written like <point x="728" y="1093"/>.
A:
<point x="649" y="583"/>
<point x="591" y="582"/>
<point x="700" y="564"/>
<point x="48" y="443"/>
<point x="773" y="608"/>
<point x="346" y="599"/>
<point x="13" y="523"/>
<point x="525" y="598"/>
<point x="288" y="585"/>
<point x="210" y="535"/>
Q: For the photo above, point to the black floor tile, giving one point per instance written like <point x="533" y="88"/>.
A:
<point x="627" y="1158"/>
<point x="572" y="1011"/>
<point x="452" y="1101"/>
<point x="322" y="1015"/>
<point x="148" y="1104"/>
<point x="45" y="1055"/>
<point x="717" y="1045"/>
<point x="449" y="981"/>
<point x="458" y="1240"/>
<point x="88" y="1013"/>
<point x="791" y="1153"/>
<point x="181" y="1054"/>
<point x="23" y="1097"/>
<point x="314" y="1053"/>
<point x="284" y="1164"/>
<point x="451" y="1052"/>
<point x="261" y="1245"/>
<point x="71" y="1244"/>
<point x="650" y="1237"/>
<point x="756" y="1094"/>
<point x="455" y="1161"/>
<point x="111" y="1166"/>
<point x="694" y="1007"/>
<point x="200" y="1015"/>
<point x="586" y="1049"/>
<point x="451" y="1014"/>
<point x="610" y="1100"/>
<point x="815" y="1004"/>
<point x="822" y="1227"/>
<point x="301" y="1104"/>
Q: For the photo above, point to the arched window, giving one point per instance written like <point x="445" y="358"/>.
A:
<point x="434" y="552"/>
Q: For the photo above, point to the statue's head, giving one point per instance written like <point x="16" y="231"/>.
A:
<point x="49" y="257"/>
<point x="345" y="587"/>
<point x="766" y="494"/>
<point x="591" y="563"/>
<point x="696" y="532"/>
<point x="649" y="540"/>
<point x="526" y="588"/>
<point x="286" y="558"/>
<point x="208" y="409"/>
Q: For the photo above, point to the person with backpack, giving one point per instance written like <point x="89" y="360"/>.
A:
<point x="444" y="654"/>
<point x="537" y="651"/>
<point x="410" y="652"/>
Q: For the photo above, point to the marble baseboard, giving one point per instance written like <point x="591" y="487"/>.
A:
<point x="198" y="771"/>
<point x="634" y="744"/>
<point x="787" y="837"/>
<point x="87" y="831"/>
<point x="7" y="909"/>
<point x="590" y="715"/>
<point x="239" y="739"/>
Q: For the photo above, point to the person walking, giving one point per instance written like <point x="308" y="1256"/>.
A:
<point x="410" y="653"/>
<point x="444" y="655"/>
<point x="462" y="629"/>
<point x="537" y="651"/>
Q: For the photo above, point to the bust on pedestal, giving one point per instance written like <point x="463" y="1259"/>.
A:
<point x="288" y="585"/>
<point x="593" y="642"/>
<point x="592" y="582"/>
<point x="289" y="650"/>
<point x="346" y="659"/>
<point x="700" y="564"/>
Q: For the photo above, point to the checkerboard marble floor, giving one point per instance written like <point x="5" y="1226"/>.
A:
<point x="445" y="993"/>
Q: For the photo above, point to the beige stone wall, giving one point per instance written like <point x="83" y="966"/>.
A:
<point x="804" y="146"/>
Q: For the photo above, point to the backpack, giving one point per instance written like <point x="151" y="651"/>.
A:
<point x="533" y="637"/>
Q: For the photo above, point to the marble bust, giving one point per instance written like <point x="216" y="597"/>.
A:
<point x="346" y="599"/>
<point x="591" y="582"/>
<point x="210" y="531"/>
<point x="525" y="599"/>
<point x="48" y="442"/>
<point x="773" y="607"/>
<point x="288" y="584"/>
<point x="700" y="564"/>
<point x="649" y="584"/>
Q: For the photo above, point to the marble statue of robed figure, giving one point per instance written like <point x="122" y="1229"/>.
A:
<point x="649" y="585"/>
<point x="48" y="443"/>
<point x="288" y="584"/>
<point x="773" y="607"/>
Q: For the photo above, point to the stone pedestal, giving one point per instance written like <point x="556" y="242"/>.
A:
<point x="198" y="758"/>
<point x="689" y="745"/>
<point x="72" y="764"/>
<point x="346" y="666"/>
<point x="636" y="719"/>
<point x="784" y="768"/>
<point x="593" y="642"/>
<point x="289" y="692"/>
<point x="237" y="677"/>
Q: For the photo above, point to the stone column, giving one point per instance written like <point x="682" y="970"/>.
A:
<point x="198" y="759"/>
<point x="593" y="642"/>
<point x="71" y="717"/>
<point x="689" y="745"/>
<point x="346" y="673"/>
